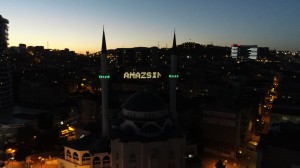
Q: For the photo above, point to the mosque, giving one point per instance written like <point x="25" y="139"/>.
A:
<point x="144" y="136"/>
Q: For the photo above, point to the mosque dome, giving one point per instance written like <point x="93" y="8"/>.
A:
<point x="145" y="102"/>
<point x="145" y="106"/>
<point x="146" y="114"/>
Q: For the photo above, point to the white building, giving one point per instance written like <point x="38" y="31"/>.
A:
<point x="88" y="152"/>
<point x="242" y="52"/>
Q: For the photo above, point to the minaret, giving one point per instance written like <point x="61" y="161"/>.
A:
<point x="104" y="83"/>
<point x="173" y="80"/>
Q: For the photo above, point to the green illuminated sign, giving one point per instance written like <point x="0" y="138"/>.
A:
<point x="173" y="76"/>
<point x="104" y="76"/>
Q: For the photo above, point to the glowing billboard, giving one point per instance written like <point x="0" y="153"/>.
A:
<point x="141" y="75"/>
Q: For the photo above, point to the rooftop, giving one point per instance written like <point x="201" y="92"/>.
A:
<point x="93" y="143"/>
<point x="285" y="135"/>
<point x="145" y="102"/>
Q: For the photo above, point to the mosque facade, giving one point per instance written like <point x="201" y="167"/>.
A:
<point x="144" y="136"/>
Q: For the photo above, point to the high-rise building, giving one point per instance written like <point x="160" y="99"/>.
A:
<point x="3" y="33"/>
<point x="5" y="72"/>
<point x="243" y="52"/>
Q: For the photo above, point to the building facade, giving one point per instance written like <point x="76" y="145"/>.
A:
<point x="82" y="158"/>
<point x="243" y="52"/>
<point x="221" y="131"/>
<point x="6" y="99"/>
<point x="145" y="135"/>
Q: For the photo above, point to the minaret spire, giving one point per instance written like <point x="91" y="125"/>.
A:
<point x="103" y="49"/>
<point x="173" y="79"/>
<point x="174" y="52"/>
<point x="104" y="84"/>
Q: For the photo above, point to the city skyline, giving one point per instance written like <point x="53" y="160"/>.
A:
<point x="77" y="25"/>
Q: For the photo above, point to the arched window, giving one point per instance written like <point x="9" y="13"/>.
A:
<point x="96" y="161"/>
<point x="132" y="158"/>
<point x="106" y="159"/>
<point x="86" y="158"/>
<point x="154" y="155"/>
<point x="171" y="155"/>
<point x="75" y="156"/>
<point x="171" y="165"/>
<point x="68" y="154"/>
<point x="106" y="162"/>
<point x="154" y="161"/>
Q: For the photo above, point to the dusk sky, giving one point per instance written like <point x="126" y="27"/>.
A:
<point x="77" y="24"/>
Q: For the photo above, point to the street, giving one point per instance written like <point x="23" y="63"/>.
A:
<point x="50" y="163"/>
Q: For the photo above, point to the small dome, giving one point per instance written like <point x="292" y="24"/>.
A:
<point x="145" y="102"/>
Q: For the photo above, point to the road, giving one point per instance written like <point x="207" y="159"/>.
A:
<point x="14" y="164"/>
<point x="48" y="164"/>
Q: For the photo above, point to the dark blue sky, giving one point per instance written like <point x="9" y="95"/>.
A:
<point x="77" y="24"/>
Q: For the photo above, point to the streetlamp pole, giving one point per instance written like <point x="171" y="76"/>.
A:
<point x="12" y="152"/>
<point x="42" y="160"/>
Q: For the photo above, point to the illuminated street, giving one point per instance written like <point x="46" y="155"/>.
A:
<point x="210" y="161"/>
<point x="49" y="163"/>
<point x="249" y="161"/>
<point x="14" y="164"/>
<point x="269" y="99"/>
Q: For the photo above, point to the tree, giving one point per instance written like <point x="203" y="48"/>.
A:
<point x="45" y="121"/>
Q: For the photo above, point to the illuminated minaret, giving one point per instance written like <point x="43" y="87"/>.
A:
<point x="104" y="83"/>
<point x="173" y="80"/>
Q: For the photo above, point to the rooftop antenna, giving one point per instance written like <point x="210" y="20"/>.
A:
<point x="47" y="44"/>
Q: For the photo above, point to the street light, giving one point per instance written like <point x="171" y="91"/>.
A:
<point x="12" y="152"/>
<point x="41" y="160"/>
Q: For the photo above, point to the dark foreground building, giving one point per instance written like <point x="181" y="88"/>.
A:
<point x="280" y="147"/>
<point x="5" y="72"/>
